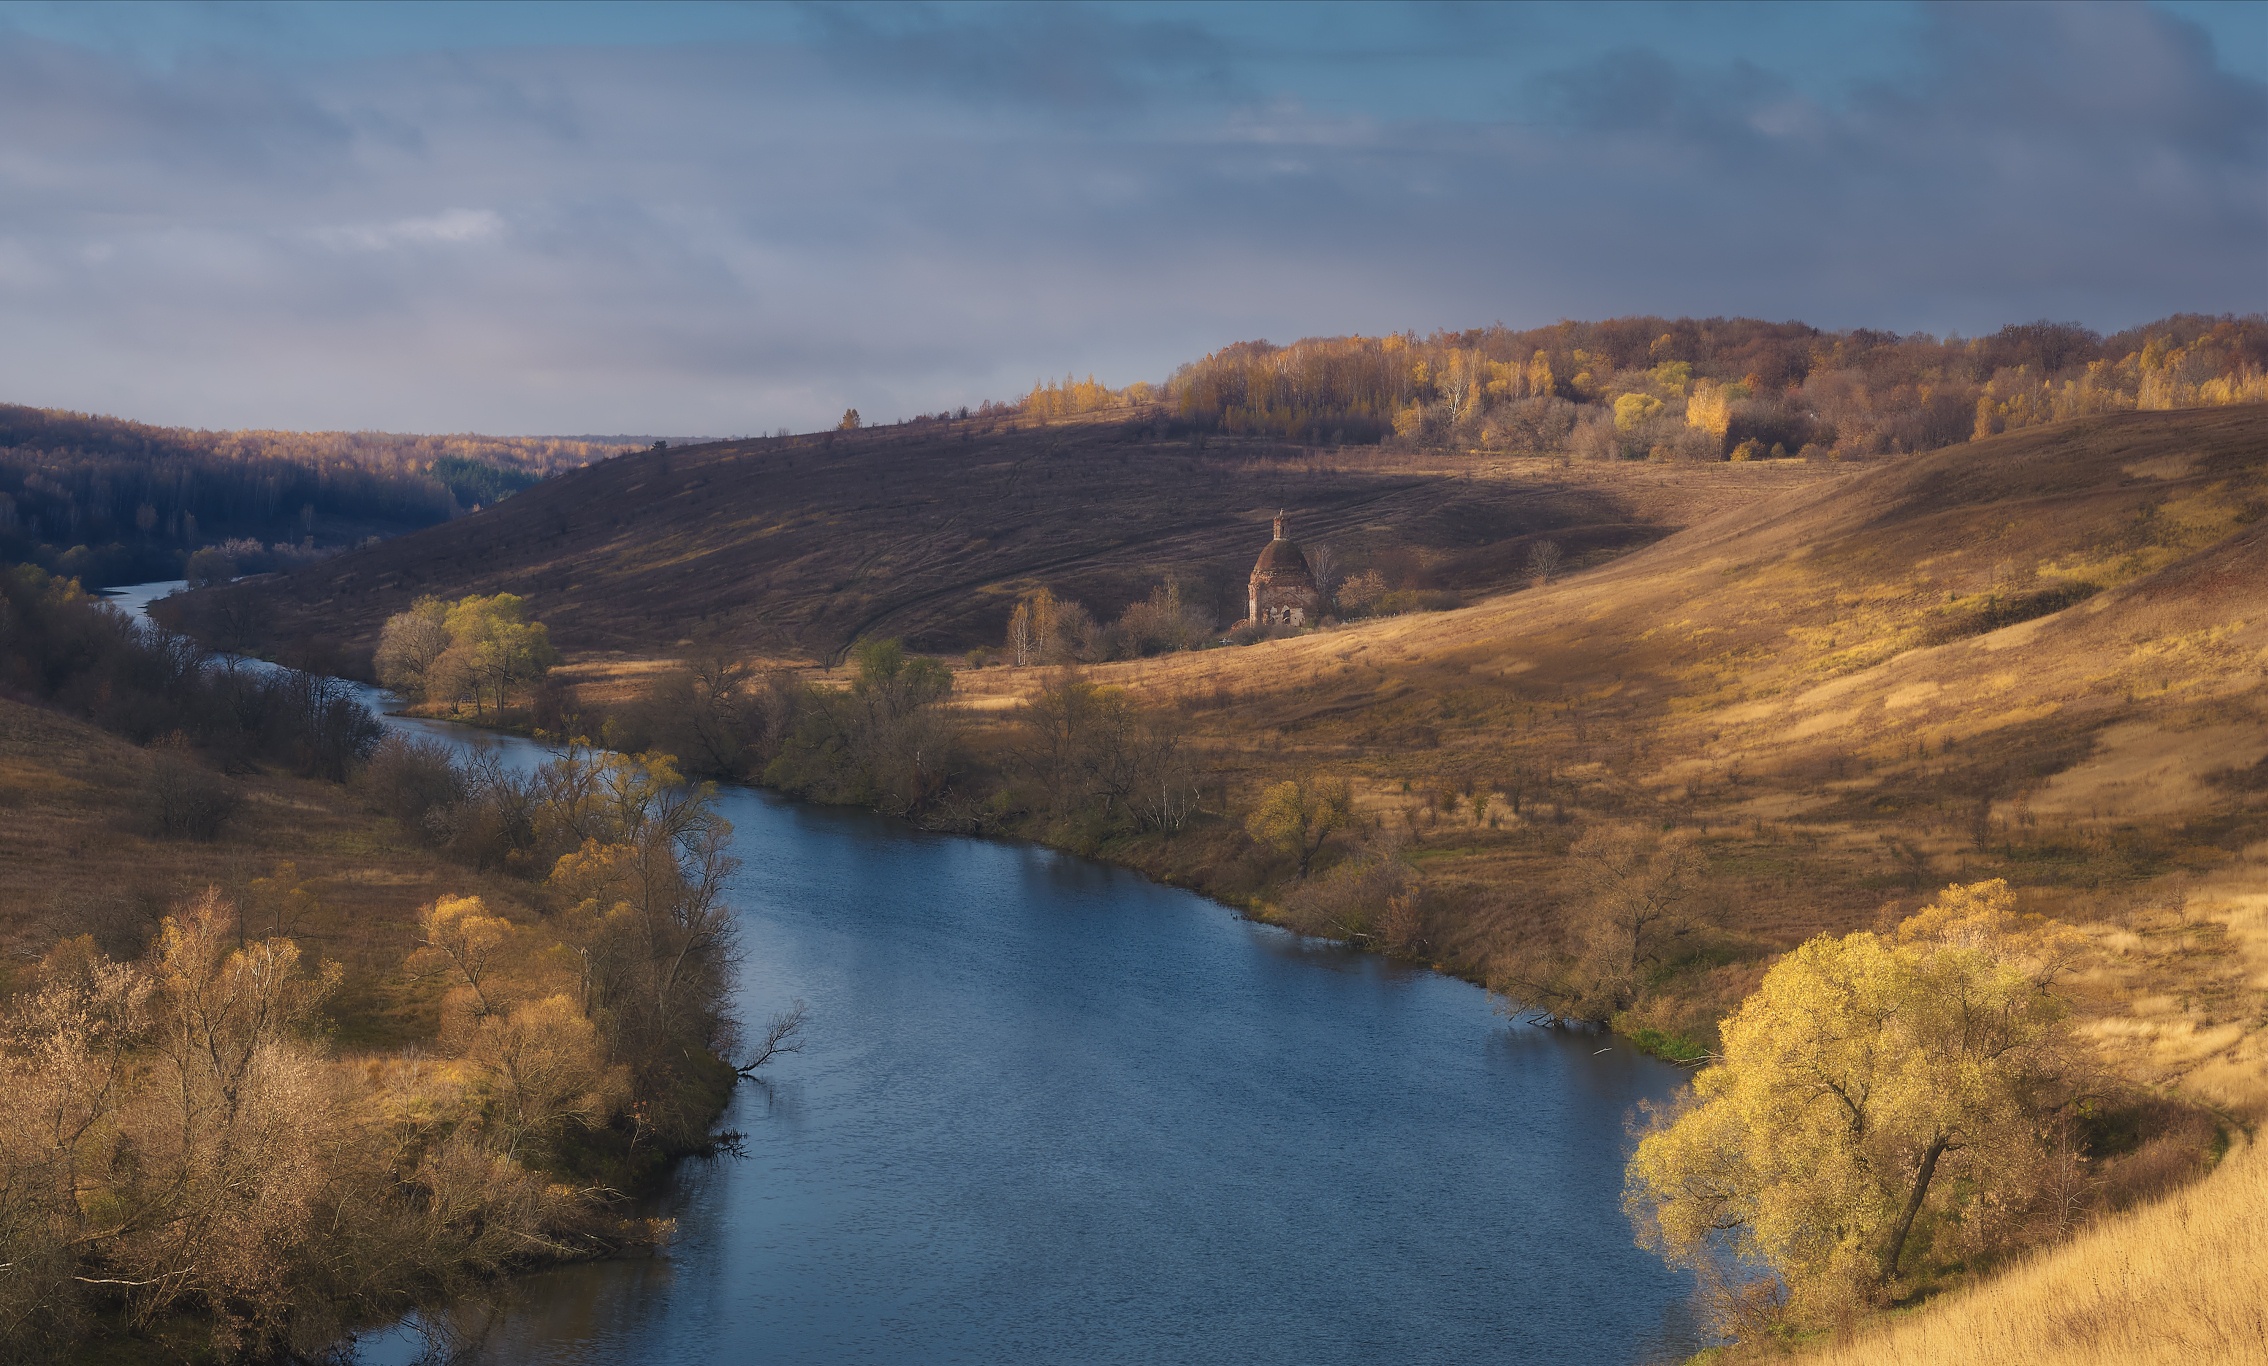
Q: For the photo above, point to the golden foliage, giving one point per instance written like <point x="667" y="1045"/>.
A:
<point x="1069" y="397"/>
<point x="1868" y="1088"/>
<point x="178" y="1141"/>
<point x="475" y="649"/>
<point x="1295" y="817"/>
<point x="1783" y="385"/>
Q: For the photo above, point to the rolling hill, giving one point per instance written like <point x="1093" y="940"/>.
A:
<point x="793" y="547"/>
<point x="2037" y="656"/>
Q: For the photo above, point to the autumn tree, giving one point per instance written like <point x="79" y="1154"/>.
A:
<point x="1873" y="1095"/>
<point x="409" y="644"/>
<point x="1297" y="816"/>
<point x="1323" y="566"/>
<point x="884" y="741"/>
<point x="717" y="711"/>
<point x="1088" y="751"/>
<point x="1032" y="627"/>
<point x="1164" y="621"/>
<point x="1633" y="887"/>
<point x="476" y="649"/>
<point x="492" y="642"/>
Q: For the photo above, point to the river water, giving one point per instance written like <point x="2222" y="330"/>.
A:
<point x="1053" y="1113"/>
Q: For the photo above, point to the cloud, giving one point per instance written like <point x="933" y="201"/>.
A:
<point x="449" y="227"/>
<point x="904" y="210"/>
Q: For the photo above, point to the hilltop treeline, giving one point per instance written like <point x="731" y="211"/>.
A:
<point x="110" y="501"/>
<point x="1693" y="388"/>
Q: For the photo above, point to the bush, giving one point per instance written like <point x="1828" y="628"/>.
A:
<point x="187" y="800"/>
<point x="209" y="567"/>
<point x="413" y="781"/>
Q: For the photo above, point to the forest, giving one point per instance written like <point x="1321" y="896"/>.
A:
<point x="109" y="501"/>
<point x="1685" y="388"/>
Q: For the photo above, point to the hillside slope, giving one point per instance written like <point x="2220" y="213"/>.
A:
<point x="302" y="857"/>
<point x="1833" y="692"/>
<point x="2183" y="1282"/>
<point x="794" y="547"/>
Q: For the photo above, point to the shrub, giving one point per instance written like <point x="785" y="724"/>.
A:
<point x="187" y="800"/>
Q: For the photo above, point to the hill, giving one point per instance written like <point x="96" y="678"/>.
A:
<point x="111" y="501"/>
<point x="2037" y="656"/>
<point x="794" y="547"/>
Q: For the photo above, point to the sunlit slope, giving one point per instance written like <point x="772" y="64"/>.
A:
<point x="2182" y="1282"/>
<point x="1817" y="685"/>
<point x="1858" y="613"/>
<point x="1853" y="621"/>
<point x="794" y="547"/>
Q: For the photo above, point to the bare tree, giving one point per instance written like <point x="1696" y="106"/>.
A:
<point x="1544" y="560"/>
<point x="1635" y="884"/>
<point x="1324" y="567"/>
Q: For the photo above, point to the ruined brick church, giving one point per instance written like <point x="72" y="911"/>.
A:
<point x="1283" y="588"/>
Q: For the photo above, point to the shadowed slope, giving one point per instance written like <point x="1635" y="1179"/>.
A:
<point x="795" y="547"/>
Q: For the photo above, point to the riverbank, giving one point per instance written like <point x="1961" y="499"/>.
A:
<point x="361" y="1031"/>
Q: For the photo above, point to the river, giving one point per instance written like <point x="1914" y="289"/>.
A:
<point x="1051" y="1112"/>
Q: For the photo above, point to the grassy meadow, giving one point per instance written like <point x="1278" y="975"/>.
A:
<point x="1768" y="680"/>
<point x="303" y="858"/>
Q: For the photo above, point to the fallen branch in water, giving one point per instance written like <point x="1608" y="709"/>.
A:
<point x="783" y="1035"/>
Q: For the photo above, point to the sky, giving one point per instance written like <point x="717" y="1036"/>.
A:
<point x="726" y="219"/>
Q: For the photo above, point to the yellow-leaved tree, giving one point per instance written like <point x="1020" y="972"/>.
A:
<point x="1879" y="1103"/>
<point x="475" y="650"/>
<point x="1296" y="817"/>
<point x="409" y="644"/>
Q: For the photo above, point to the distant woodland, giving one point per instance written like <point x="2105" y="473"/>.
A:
<point x="110" y="501"/>
<point x="1707" y="389"/>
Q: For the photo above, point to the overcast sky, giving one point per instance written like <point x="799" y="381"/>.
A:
<point x="723" y="220"/>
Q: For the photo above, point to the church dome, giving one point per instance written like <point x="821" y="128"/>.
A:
<point x="1281" y="555"/>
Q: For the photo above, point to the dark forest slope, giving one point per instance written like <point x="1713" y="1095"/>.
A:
<point x="110" y="501"/>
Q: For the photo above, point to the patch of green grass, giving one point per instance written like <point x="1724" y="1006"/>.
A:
<point x="1667" y="1046"/>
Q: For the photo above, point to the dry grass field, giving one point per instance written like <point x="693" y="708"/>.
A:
<point x="794" y="547"/>
<point x="301" y="858"/>
<point x="2182" y="1282"/>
